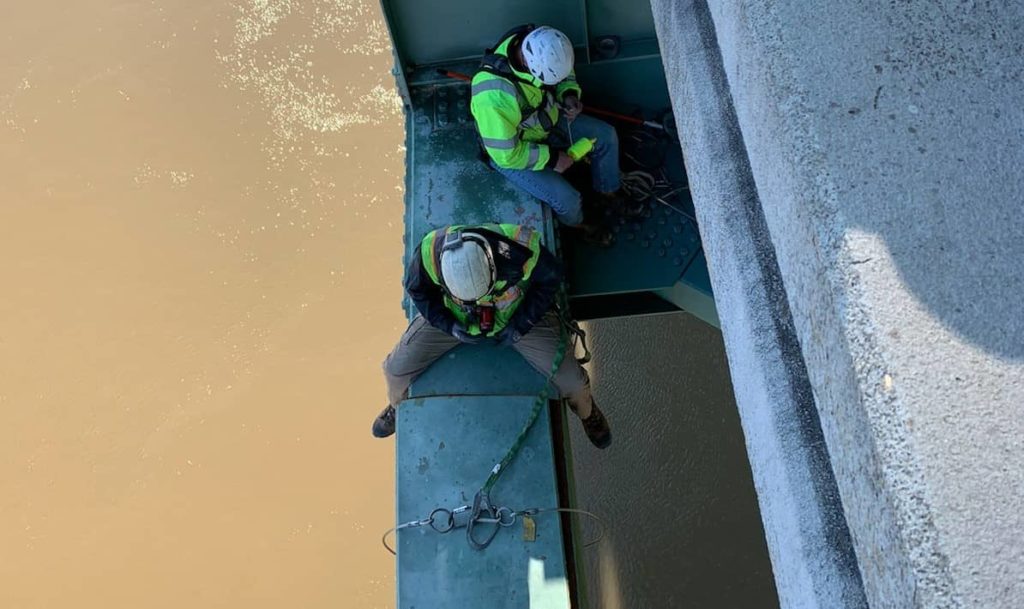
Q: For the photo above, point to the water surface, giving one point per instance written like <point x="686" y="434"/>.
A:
<point x="200" y="231"/>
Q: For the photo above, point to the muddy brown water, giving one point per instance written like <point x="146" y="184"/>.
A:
<point x="200" y="236"/>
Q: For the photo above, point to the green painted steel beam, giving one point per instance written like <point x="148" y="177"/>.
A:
<point x="466" y="410"/>
<point x="446" y="447"/>
<point x="693" y="294"/>
<point x="468" y="407"/>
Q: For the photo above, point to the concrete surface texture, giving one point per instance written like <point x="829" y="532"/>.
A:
<point x="674" y="488"/>
<point x="810" y="548"/>
<point x="885" y="144"/>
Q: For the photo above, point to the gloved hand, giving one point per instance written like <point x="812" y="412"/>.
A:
<point x="508" y="336"/>
<point x="572" y="106"/>
<point x="465" y="337"/>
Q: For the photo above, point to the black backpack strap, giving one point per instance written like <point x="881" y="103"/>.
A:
<point x="499" y="65"/>
<point x="519" y="29"/>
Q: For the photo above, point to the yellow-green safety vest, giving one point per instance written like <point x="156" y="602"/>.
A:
<point x="515" y="113"/>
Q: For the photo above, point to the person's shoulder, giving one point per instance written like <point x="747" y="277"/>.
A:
<point x="485" y="74"/>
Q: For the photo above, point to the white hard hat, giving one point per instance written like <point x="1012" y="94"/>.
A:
<point x="467" y="266"/>
<point x="548" y="54"/>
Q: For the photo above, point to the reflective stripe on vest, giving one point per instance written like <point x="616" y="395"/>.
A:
<point x="503" y="144"/>
<point x="497" y="84"/>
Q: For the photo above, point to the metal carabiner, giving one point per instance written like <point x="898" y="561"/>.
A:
<point x="506" y="516"/>
<point x="481" y="502"/>
<point x="448" y="524"/>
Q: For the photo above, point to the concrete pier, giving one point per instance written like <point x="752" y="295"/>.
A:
<point x="856" y="170"/>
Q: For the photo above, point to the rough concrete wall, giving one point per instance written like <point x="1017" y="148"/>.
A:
<point x="885" y="141"/>
<point x="810" y="548"/>
<point x="675" y="486"/>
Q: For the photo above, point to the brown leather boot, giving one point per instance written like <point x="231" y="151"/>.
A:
<point x="622" y="205"/>
<point x="597" y="235"/>
<point x="596" y="427"/>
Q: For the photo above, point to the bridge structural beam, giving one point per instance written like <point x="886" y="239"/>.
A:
<point x="856" y="176"/>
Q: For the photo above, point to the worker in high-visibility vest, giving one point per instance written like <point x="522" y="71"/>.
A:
<point x="493" y="283"/>
<point x="524" y="98"/>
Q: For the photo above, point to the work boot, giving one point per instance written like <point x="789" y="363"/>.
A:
<point x="596" y="427"/>
<point x="597" y="235"/>
<point x="619" y="203"/>
<point x="384" y="424"/>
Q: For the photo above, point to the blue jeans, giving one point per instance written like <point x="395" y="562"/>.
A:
<point x="551" y="188"/>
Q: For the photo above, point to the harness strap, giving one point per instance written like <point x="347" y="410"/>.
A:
<point x="519" y="29"/>
<point x="482" y="500"/>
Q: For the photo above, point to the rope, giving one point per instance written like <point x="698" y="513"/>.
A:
<point x="638" y="185"/>
<point x="642" y="186"/>
<point x="645" y="149"/>
<point x="538" y="404"/>
<point x="506" y="518"/>
<point x="482" y="500"/>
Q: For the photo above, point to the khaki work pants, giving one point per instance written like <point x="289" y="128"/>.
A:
<point x="423" y="344"/>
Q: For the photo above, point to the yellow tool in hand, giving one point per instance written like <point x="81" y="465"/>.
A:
<point x="581" y="148"/>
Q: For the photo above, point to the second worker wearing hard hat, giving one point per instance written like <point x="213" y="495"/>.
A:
<point x="492" y="283"/>
<point x="526" y="91"/>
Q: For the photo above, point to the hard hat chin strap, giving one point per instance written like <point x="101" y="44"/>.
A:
<point x="452" y="241"/>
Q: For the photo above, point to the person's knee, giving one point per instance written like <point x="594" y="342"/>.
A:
<point x="574" y="217"/>
<point x="606" y="135"/>
<point x="572" y="381"/>
<point x="607" y="130"/>
<point x="568" y="207"/>
<point x="388" y="366"/>
<point x="396" y="364"/>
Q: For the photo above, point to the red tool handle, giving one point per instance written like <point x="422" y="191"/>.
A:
<point x="455" y="75"/>
<point x="622" y="117"/>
